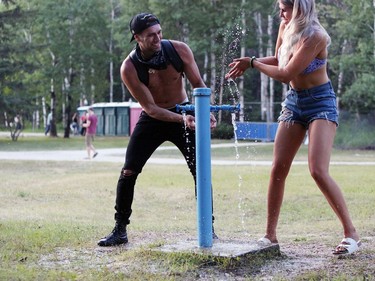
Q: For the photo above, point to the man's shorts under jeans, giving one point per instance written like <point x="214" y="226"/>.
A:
<point x="305" y="106"/>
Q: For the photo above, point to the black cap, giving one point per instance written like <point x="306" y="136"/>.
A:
<point x="141" y="22"/>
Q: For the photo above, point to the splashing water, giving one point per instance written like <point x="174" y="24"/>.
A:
<point x="188" y="147"/>
<point x="184" y="118"/>
<point x="234" y="92"/>
<point x="240" y="203"/>
<point x="235" y="135"/>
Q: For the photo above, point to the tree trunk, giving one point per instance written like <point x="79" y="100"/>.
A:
<point x="82" y="78"/>
<point x="270" y="52"/>
<point x="340" y="79"/>
<point x="213" y="77"/>
<point x="36" y="120"/>
<point x="241" y="84"/>
<point x="67" y="104"/>
<point x="53" y="130"/>
<point x="111" y="53"/>
<point x="92" y="88"/>
<point x="44" y="112"/>
<point x="222" y="78"/>
<point x="205" y="67"/>
<point x="264" y="101"/>
<point x="123" y="91"/>
<point x="67" y="101"/>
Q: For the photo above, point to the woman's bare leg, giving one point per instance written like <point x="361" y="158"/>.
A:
<point x="287" y="142"/>
<point x="321" y="137"/>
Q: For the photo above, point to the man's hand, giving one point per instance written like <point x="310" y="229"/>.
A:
<point x="212" y="121"/>
<point x="190" y="121"/>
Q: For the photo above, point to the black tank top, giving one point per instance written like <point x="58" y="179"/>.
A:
<point x="170" y="56"/>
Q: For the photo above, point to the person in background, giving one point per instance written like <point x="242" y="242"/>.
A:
<point x="310" y="106"/>
<point x="82" y="121"/>
<point x="153" y="73"/>
<point x="74" y="124"/>
<point x="90" y="126"/>
<point x="18" y="122"/>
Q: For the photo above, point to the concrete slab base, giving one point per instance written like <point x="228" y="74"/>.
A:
<point x="221" y="248"/>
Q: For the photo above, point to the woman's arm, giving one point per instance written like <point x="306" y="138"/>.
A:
<point x="307" y="50"/>
<point x="240" y="65"/>
<point x="305" y="54"/>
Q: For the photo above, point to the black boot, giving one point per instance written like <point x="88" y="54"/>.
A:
<point x="118" y="236"/>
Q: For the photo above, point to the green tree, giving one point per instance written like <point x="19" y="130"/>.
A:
<point x="74" y="57"/>
<point x="71" y="51"/>
<point x="351" y="24"/>
<point x="14" y="64"/>
<point x="360" y="96"/>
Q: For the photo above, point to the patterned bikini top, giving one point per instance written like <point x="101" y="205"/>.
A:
<point x="315" y="65"/>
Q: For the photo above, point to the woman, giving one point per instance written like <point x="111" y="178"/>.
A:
<point x="301" y="61"/>
<point x="74" y="124"/>
<point x="83" y="121"/>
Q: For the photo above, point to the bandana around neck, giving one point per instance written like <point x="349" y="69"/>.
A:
<point x="157" y="61"/>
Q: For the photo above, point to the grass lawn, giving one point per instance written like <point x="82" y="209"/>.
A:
<point x="53" y="212"/>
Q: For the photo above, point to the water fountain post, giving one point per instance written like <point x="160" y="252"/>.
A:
<point x="203" y="164"/>
<point x="202" y="110"/>
<point x="227" y="249"/>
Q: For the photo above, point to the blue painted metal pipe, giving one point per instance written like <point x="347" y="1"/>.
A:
<point x="203" y="162"/>
<point x="202" y="110"/>
<point x="225" y="107"/>
<point x="213" y="108"/>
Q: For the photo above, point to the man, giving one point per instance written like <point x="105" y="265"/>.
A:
<point x="153" y="73"/>
<point x="90" y="126"/>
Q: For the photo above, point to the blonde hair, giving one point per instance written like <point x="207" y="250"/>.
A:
<point x="303" y="24"/>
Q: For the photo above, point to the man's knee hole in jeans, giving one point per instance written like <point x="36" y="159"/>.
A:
<point x="126" y="173"/>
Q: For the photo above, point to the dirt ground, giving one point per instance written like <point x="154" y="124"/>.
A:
<point x="296" y="261"/>
<point x="303" y="259"/>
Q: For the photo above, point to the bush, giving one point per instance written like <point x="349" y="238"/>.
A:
<point x="223" y="131"/>
<point x="360" y="97"/>
<point x="356" y="131"/>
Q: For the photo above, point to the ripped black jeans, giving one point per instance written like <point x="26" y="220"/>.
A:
<point x="148" y="135"/>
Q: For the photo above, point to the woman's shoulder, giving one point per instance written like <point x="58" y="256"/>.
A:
<point x="316" y="38"/>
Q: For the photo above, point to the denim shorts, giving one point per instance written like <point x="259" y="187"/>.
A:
<point x="305" y="106"/>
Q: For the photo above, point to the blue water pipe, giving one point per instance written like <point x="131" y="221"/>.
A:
<point x="202" y="109"/>
<point x="213" y="108"/>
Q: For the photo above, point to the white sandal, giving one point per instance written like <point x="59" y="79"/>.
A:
<point x="346" y="247"/>
<point x="264" y="242"/>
